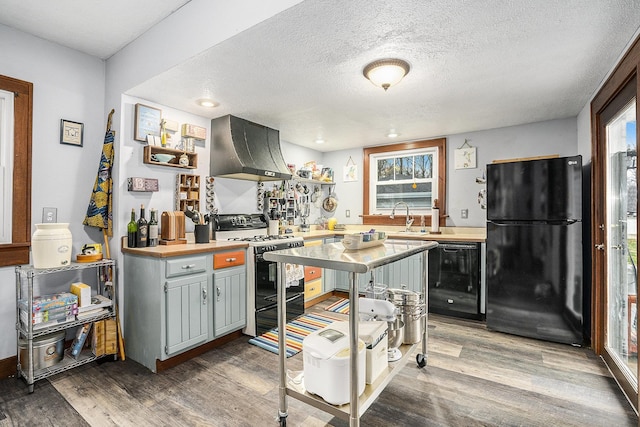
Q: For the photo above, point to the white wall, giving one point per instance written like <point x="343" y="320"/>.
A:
<point x="534" y="139"/>
<point x="66" y="85"/>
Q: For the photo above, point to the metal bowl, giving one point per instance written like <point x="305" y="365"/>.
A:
<point x="395" y="332"/>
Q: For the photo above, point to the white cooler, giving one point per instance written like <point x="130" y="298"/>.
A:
<point x="51" y="245"/>
<point x="326" y="364"/>
<point x="374" y="335"/>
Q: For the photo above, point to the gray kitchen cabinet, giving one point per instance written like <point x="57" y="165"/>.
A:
<point x="404" y="273"/>
<point x="339" y="280"/>
<point x="229" y="300"/>
<point x="229" y="308"/>
<point x="342" y="280"/>
<point x="165" y="305"/>
<point x="186" y="319"/>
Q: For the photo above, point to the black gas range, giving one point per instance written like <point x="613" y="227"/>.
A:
<point x="262" y="313"/>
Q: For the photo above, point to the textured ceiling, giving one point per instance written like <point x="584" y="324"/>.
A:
<point x="475" y="64"/>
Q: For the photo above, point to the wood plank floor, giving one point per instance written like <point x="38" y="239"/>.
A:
<point x="473" y="378"/>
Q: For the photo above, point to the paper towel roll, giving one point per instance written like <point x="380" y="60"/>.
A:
<point x="273" y="227"/>
<point x="435" y="220"/>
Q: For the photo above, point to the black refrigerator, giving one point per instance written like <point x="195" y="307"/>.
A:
<point x="534" y="249"/>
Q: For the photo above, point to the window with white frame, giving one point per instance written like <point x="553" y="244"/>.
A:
<point x="408" y="176"/>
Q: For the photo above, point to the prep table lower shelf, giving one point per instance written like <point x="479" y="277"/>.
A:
<point x="370" y="394"/>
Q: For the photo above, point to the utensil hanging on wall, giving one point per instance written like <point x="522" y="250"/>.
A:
<point x="330" y="203"/>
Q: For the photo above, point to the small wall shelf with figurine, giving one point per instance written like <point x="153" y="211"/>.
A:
<point x="187" y="192"/>
<point x="161" y="156"/>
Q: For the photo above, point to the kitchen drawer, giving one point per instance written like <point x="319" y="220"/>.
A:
<point x="182" y="266"/>
<point x="312" y="273"/>
<point x="313" y="288"/>
<point x="228" y="259"/>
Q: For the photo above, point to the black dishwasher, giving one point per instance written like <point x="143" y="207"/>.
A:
<point x="454" y="280"/>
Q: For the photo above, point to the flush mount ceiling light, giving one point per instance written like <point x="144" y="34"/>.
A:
<point x="319" y="141"/>
<point x="206" y="102"/>
<point x="386" y="72"/>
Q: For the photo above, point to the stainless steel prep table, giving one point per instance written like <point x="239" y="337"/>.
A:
<point x="335" y="256"/>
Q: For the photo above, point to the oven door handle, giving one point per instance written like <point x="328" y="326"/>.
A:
<point x="274" y="298"/>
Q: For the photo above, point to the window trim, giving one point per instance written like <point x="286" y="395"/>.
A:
<point x="17" y="252"/>
<point x="440" y="144"/>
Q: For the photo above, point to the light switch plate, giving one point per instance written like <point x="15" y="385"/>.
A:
<point x="347" y="213"/>
<point x="49" y="215"/>
<point x="464" y="213"/>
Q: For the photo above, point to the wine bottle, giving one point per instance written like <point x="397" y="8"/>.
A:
<point x="153" y="228"/>
<point x="143" y="230"/>
<point x="132" y="230"/>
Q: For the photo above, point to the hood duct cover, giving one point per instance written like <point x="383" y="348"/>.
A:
<point x="241" y="149"/>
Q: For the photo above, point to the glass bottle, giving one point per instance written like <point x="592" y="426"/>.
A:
<point x="132" y="230"/>
<point x="143" y="230"/>
<point x="153" y="228"/>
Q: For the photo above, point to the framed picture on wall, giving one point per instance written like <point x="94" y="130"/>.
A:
<point x="71" y="132"/>
<point x="147" y="122"/>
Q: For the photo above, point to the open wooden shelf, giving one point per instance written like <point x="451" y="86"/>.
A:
<point x="152" y="149"/>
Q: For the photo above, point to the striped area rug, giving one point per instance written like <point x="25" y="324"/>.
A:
<point x="296" y="331"/>
<point x="341" y="306"/>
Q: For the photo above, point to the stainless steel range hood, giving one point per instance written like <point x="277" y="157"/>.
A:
<point x="245" y="150"/>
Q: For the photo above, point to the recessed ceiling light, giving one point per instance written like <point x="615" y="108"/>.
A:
<point x="392" y="134"/>
<point x="319" y="141"/>
<point x="206" y="102"/>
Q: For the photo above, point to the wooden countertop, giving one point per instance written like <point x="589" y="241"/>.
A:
<point x="449" y="234"/>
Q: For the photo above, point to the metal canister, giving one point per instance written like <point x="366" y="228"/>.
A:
<point x="411" y="310"/>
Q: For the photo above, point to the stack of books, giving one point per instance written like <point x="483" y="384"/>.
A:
<point x="99" y="305"/>
<point x="49" y="310"/>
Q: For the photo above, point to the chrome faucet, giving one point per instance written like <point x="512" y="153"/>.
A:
<point x="409" y="219"/>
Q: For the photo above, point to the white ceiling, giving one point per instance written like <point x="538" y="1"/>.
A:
<point x="475" y="64"/>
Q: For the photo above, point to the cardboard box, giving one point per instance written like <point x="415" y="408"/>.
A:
<point x="97" y="339"/>
<point x="111" y="336"/>
<point x="83" y="292"/>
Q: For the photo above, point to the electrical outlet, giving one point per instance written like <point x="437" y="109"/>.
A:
<point x="49" y="215"/>
<point x="347" y="213"/>
<point x="464" y="213"/>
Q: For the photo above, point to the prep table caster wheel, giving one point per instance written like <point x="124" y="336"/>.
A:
<point x="421" y="360"/>
<point x="283" y="421"/>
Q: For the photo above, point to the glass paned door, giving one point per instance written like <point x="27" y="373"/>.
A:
<point x="621" y="338"/>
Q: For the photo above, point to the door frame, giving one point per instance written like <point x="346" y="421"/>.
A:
<point x="625" y="72"/>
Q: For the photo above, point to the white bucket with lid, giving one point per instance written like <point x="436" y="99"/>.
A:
<point x="51" y="245"/>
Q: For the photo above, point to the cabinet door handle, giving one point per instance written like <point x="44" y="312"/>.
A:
<point x="231" y="259"/>
<point x="204" y="296"/>
<point x="188" y="266"/>
<point x="312" y="272"/>
<point x="218" y="292"/>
